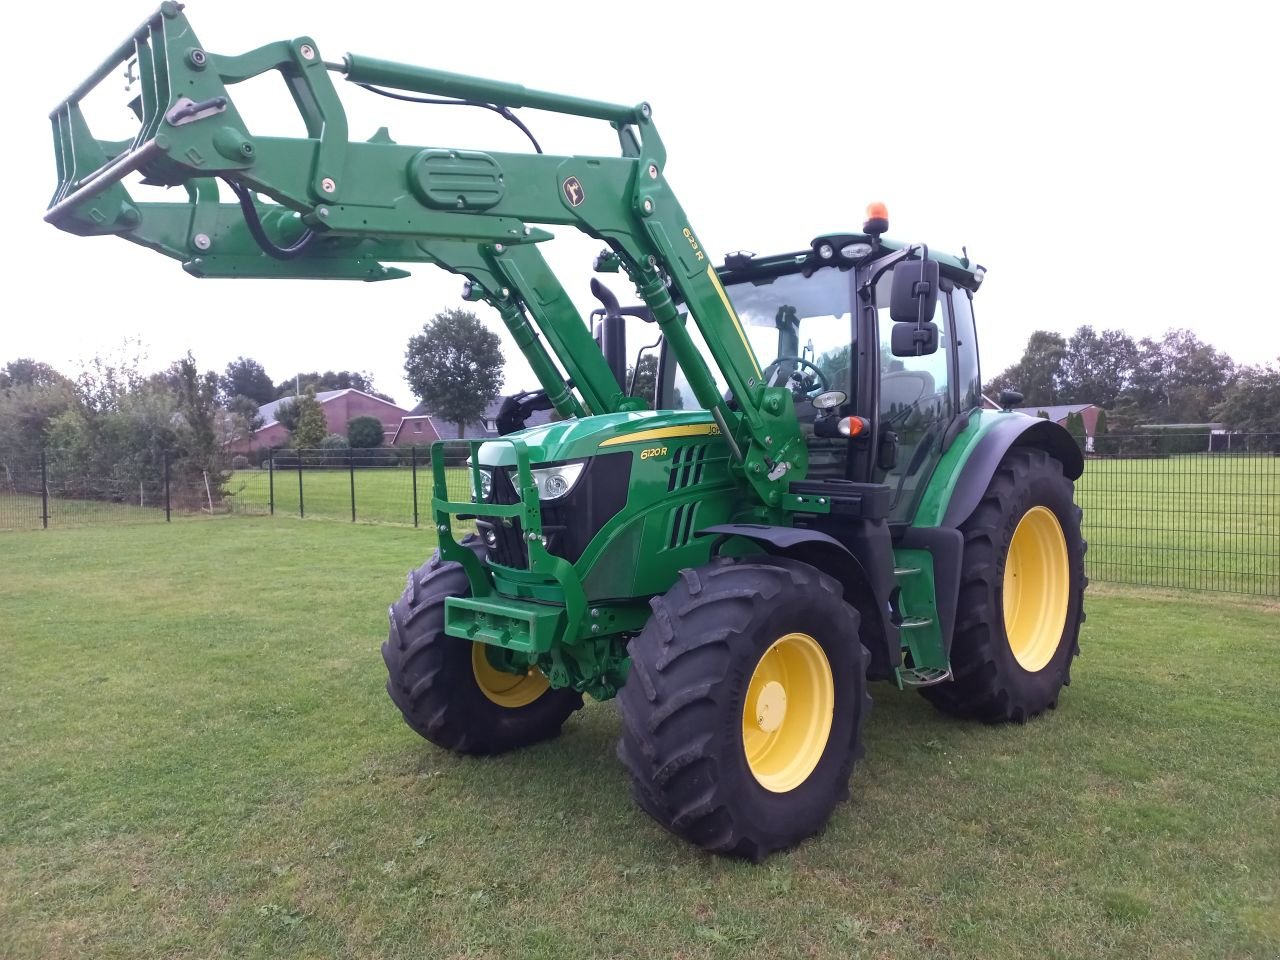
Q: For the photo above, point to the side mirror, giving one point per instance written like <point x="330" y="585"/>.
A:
<point x="910" y="340"/>
<point x="915" y="291"/>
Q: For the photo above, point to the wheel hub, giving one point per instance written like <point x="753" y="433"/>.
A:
<point x="771" y="706"/>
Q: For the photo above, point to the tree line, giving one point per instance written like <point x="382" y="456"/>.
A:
<point x="1174" y="378"/>
<point x="110" y="422"/>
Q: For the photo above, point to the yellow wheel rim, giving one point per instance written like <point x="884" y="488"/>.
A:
<point x="1037" y="587"/>
<point x="505" y="689"/>
<point x="786" y="719"/>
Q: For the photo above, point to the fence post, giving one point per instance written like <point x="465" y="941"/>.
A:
<point x="44" y="489"/>
<point x="351" y="468"/>
<point x="165" y="456"/>
<point x="271" y="480"/>
<point x="413" y="459"/>
<point x="301" y="511"/>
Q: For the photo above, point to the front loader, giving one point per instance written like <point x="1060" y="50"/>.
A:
<point x="819" y="496"/>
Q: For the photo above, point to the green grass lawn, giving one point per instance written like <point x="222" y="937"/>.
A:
<point x="197" y="759"/>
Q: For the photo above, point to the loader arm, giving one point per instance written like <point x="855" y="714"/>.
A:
<point x="344" y="209"/>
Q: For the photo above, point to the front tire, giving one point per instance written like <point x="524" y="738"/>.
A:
<point x="447" y="689"/>
<point x="1021" y="595"/>
<point x="743" y="713"/>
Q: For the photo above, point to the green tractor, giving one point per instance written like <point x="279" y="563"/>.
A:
<point x="816" y="498"/>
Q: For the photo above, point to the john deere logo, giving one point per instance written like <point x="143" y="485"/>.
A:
<point x="573" y="192"/>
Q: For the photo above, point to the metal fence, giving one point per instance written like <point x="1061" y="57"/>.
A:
<point x="1188" y="510"/>
<point x="1193" y="511"/>
<point x="382" y="485"/>
<point x="46" y="489"/>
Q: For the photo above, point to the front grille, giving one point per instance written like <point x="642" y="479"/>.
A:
<point x="568" y="523"/>
<point x="507" y="546"/>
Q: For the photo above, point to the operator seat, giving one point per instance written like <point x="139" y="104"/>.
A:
<point x="900" y="390"/>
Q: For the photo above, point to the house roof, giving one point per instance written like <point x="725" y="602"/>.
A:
<point x="1057" y="411"/>
<point x="268" y="410"/>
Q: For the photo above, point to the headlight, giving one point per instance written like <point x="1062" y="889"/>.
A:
<point x="556" y="482"/>
<point x="486" y="483"/>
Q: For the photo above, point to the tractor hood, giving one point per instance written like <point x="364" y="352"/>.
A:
<point x="608" y="433"/>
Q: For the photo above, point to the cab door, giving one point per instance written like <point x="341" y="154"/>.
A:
<point x="916" y="403"/>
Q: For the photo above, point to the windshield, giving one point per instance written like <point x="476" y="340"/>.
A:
<point x="795" y="325"/>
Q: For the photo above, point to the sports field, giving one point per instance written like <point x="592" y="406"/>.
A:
<point x="197" y="760"/>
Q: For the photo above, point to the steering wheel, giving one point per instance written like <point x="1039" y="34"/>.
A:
<point x="800" y="390"/>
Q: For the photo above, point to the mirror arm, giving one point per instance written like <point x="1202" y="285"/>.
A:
<point x="893" y="259"/>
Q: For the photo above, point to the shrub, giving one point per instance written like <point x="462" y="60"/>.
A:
<point x="239" y="462"/>
<point x="364" y="432"/>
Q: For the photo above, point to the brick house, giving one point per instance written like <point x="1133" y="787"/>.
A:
<point x="417" y="429"/>
<point x="340" y="408"/>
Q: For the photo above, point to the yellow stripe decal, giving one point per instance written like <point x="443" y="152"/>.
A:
<point x="733" y="315"/>
<point x="666" y="433"/>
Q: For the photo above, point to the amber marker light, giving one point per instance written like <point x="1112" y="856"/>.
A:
<point x="852" y="427"/>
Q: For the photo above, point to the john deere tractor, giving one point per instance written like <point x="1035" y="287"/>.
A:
<point x="817" y="498"/>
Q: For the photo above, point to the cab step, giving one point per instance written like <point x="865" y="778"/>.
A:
<point x="913" y="623"/>
<point x="922" y="676"/>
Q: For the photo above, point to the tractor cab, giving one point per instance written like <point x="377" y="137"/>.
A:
<point x="879" y="397"/>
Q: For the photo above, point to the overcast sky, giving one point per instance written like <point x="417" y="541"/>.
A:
<point x="1100" y="159"/>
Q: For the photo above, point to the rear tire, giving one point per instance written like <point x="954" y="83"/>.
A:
<point x="1020" y="609"/>
<point x="446" y="690"/>
<point x="742" y="716"/>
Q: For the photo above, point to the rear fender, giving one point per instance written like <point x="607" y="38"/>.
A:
<point x="1008" y="430"/>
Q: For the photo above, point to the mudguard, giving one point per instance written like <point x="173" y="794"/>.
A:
<point x="989" y="450"/>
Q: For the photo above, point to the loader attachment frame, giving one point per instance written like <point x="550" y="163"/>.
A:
<point x="343" y="210"/>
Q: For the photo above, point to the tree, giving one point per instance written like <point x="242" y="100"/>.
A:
<point x="199" y="451"/>
<point x="1075" y="427"/>
<point x="246" y="378"/>
<point x="1252" y="402"/>
<point x="364" y="432"/>
<point x="247" y="410"/>
<point x="1038" y="373"/>
<point x="1102" y="442"/>
<point x="32" y="396"/>
<point x="287" y="413"/>
<point x="1179" y="378"/>
<point x="312" y="427"/>
<point x="1096" y="367"/>
<point x="25" y="372"/>
<point x="329" y="380"/>
<point x="455" y="367"/>
<point x="645" y="377"/>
